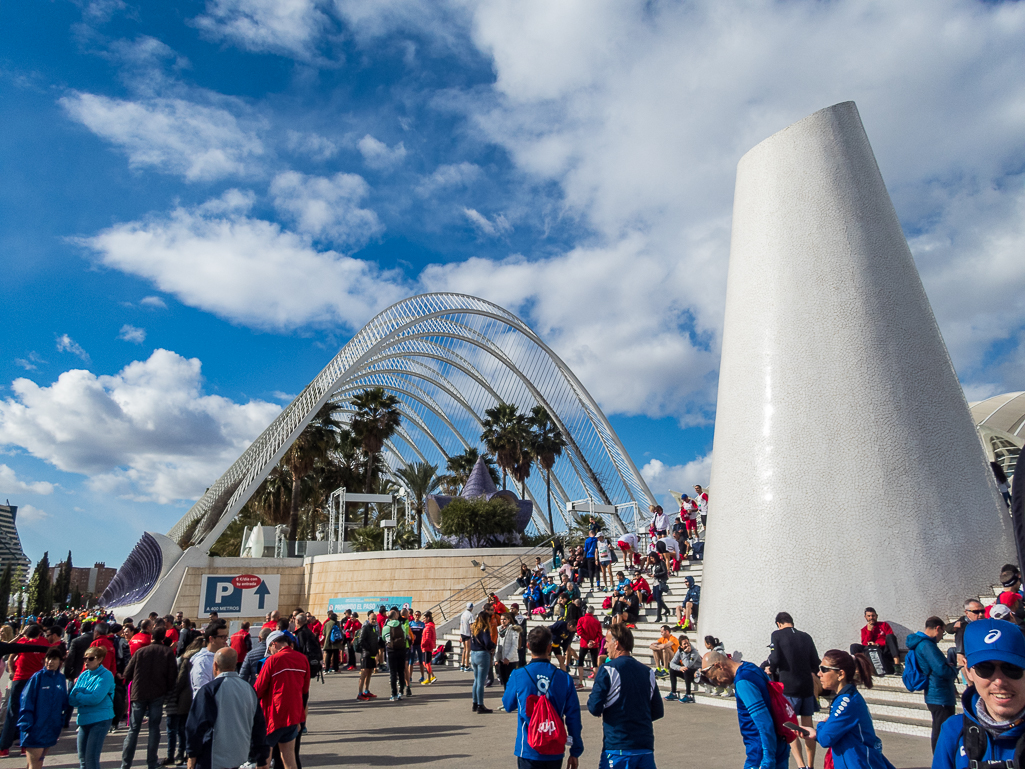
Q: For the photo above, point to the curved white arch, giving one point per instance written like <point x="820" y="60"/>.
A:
<point x="465" y="355"/>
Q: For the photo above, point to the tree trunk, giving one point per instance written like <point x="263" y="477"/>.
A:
<point x="293" y="513"/>
<point x="370" y="479"/>
<point x="548" y="488"/>
<point x="503" y="479"/>
<point x="420" y="525"/>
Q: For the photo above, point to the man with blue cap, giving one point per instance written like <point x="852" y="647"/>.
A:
<point x="991" y="732"/>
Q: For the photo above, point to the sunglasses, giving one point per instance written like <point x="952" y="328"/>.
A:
<point x="90" y="659"/>
<point x="826" y="668"/>
<point x="975" y="611"/>
<point x="987" y="669"/>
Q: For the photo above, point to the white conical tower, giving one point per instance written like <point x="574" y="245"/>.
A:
<point x="846" y="468"/>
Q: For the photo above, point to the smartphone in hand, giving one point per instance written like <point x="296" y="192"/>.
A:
<point x="795" y="728"/>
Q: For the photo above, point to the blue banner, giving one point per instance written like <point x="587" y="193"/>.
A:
<point x="363" y="604"/>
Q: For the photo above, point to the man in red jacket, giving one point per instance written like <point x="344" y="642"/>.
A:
<point x="283" y="688"/>
<point x="143" y="638"/>
<point x="100" y="630"/>
<point x="242" y="643"/>
<point x="590" y="632"/>
<point x="876" y="633"/>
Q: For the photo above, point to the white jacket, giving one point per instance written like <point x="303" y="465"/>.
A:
<point x="508" y="644"/>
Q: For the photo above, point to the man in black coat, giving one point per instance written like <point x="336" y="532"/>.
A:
<point x="794" y="662"/>
<point x="76" y="652"/>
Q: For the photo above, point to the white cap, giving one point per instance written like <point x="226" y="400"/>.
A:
<point x="469" y="605"/>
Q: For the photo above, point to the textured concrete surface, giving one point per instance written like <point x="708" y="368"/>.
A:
<point x="847" y="472"/>
<point x="437" y="728"/>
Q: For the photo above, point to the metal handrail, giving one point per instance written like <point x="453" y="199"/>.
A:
<point x="503" y="575"/>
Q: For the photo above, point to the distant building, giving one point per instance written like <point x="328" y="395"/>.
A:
<point x="93" y="581"/>
<point x="10" y="542"/>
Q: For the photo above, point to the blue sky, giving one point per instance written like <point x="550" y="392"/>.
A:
<point x="203" y="201"/>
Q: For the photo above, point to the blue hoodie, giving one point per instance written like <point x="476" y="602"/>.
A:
<point x="939" y="689"/>
<point x="42" y="709"/>
<point x="626" y="696"/>
<point x="590" y="547"/>
<point x="562" y="695"/>
<point x="849" y="732"/>
<point x="93" y="695"/>
<point x="950" y="754"/>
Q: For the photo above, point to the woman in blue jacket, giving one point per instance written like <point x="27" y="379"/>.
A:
<point x="42" y="709"/>
<point x="848" y="727"/>
<point x="93" y="695"/>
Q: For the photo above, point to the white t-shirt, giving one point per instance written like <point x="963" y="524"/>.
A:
<point x="465" y="620"/>
<point x="629" y="539"/>
<point x="671" y="545"/>
<point x="660" y="521"/>
<point x="703" y="503"/>
<point x="604" y="555"/>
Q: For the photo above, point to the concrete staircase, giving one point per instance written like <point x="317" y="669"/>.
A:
<point x="893" y="708"/>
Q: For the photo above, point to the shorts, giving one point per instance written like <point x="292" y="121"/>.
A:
<point x="660" y="532"/>
<point x="369" y="662"/>
<point x="627" y="759"/>
<point x="464" y="638"/>
<point x="803" y="706"/>
<point x="660" y="547"/>
<point x="592" y="653"/>
<point x="624" y="547"/>
<point x="284" y="734"/>
<point x="416" y="654"/>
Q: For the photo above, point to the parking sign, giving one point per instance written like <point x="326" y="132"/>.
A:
<point x="239" y="595"/>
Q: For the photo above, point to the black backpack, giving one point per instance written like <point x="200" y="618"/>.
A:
<point x="396" y="638"/>
<point x="976" y="741"/>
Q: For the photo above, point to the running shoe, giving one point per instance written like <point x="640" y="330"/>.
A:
<point x="392" y="698"/>
<point x="362" y="698"/>
<point x="370" y="695"/>
<point x="424" y="681"/>
<point x="670" y="697"/>
<point x="432" y="679"/>
<point x="409" y="692"/>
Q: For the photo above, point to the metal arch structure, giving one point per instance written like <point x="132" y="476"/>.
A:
<point x="448" y="358"/>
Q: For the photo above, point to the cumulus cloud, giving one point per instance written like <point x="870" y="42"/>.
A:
<point x="66" y="344"/>
<point x="153" y="302"/>
<point x="216" y="258"/>
<point x="132" y="334"/>
<point x="148" y="432"/>
<point x="10" y="483"/>
<point x="326" y="208"/>
<point x="377" y="154"/>
<point x="172" y="135"/>
<point x="662" y="478"/>
<point x="312" y="144"/>
<point x="288" y="27"/>
<point x="31" y="514"/>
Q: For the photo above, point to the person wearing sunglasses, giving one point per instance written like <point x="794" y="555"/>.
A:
<point x="93" y="695"/>
<point x="992" y="726"/>
<point x="848" y="731"/>
<point x="973" y="610"/>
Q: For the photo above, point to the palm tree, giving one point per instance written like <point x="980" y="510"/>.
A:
<point x="459" y="468"/>
<point x="313" y="445"/>
<point x="421" y="479"/>
<point x="505" y="433"/>
<point x="377" y="418"/>
<point x="547" y="443"/>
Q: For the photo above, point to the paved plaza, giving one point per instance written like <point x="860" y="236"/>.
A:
<point x="437" y="728"/>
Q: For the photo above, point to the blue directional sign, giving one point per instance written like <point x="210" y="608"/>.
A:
<point x="238" y="595"/>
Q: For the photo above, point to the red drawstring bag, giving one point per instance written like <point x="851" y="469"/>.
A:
<point x="782" y="711"/>
<point x="827" y="762"/>
<point x="545" y="731"/>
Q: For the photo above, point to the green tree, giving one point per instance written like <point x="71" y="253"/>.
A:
<point x="367" y="538"/>
<point x="505" y="436"/>
<point x="377" y="418"/>
<point x="6" y="582"/>
<point x="420" y="479"/>
<point x="62" y="583"/>
<point x="459" y="467"/>
<point x="479" y="521"/>
<point x="76" y="598"/>
<point x="40" y="589"/>
<point x="314" y="444"/>
<point x="546" y="445"/>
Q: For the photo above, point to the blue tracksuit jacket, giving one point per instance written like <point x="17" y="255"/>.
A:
<point x="939" y="690"/>
<point x="950" y="752"/>
<point x="626" y="696"/>
<point x="764" y="747"/>
<point x="42" y="709"/>
<point x="849" y="732"/>
<point x="562" y="695"/>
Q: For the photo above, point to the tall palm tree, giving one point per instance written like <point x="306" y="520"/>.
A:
<point x="459" y="467"/>
<point x="505" y="434"/>
<point x="547" y="443"/>
<point x="377" y="418"/>
<point x="420" y="479"/>
<point x="314" y="444"/>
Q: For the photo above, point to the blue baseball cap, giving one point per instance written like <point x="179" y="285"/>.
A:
<point x="994" y="640"/>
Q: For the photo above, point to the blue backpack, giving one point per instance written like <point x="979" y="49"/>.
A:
<point x="914" y="679"/>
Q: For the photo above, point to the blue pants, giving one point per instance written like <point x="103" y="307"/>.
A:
<point x="152" y="710"/>
<point x="90" y="743"/>
<point x="176" y="734"/>
<point x="626" y="759"/>
<point x="480" y="662"/>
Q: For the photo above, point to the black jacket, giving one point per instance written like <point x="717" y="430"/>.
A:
<point x="795" y="661"/>
<point x="153" y="671"/>
<point x="76" y="656"/>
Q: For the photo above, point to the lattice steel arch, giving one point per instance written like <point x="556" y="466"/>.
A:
<point x="489" y="355"/>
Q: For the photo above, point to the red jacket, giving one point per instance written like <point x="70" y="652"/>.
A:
<point x="110" y="661"/>
<point x="138" y="641"/>
<point x="172" y="633"/>
<point x="283" y="686"/>
<point x="238" y="643"/>
<point x="877" y="635"/>
<point x="429" y="639"/>
<point x="26" y="664"/>
<point x="351" y="628"/>
<point x="589" y="629"/>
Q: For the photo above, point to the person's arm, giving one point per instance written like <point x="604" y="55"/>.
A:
<point x="130" y="670"/>
<point x="842" y="719"/>
<point x="510" y="702"/>
<point x="657" y="706"/>
<point x="947" y="744"/>
<point x="600" y="690"/>
<point x="258" y="740"/>
<point x="571" y="712"/>
<point x="201" y="720"/>
<point x="90" y="692"/>
<point x="758" y="710"/>
<point x="27" y="716"/>
<point x="773" y="664"/>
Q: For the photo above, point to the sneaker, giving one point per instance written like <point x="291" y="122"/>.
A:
<point x="687" y="698"/>
<point x="397" y="697"/>
<point x="409" y="692"/>
<point x="370" y="695"/>
<point x="24" y="752"/>
<point x="169" y="761"/>
<point x="351" y="667"/>
<point x="4" y="753"/>
<point x="481" y="709"/>
<point x="475" y="707"/>
<point x="592" y="674"/>
<point x="670" y="697"/>
<point x="392" y="698"/>
<point x="362" y="698"/>
<point x="247" y="765"/>
<point x="432" y="679"/>
<point x="424" y="681"/>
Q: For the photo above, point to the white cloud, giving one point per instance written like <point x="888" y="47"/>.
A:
<point x="132" y="334"/>
<point x="153" y="302"/>
<point x="312" y="144"/>
<point x="148" y="432"/>
<point x="288" y="27"/>
<point x="66" y="344"/>
<point x="447" y="176"/>
<point x="172" y="135"/>
<point x="326" y="208"/>
<point x="29" y="363"/>
<point x="32" y="514"/>
<point x="282" y="396"/>
<point x="377" y="154"/>
<point x="499" y="225"/>
<point x="248" y="270"/>
<point x="10" y="483"/>
<point x="681" y="478"/>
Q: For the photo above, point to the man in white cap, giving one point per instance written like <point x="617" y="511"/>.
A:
<point x="465" y="620"/>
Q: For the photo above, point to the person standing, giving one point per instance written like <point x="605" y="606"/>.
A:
<point x="394" y="636"/>
<point x="795" y="662"/>
<point x="242" y="643"/>
<point x="428" y="640"/>
<point x="368" y="644"/>
<point x="590" y="632"/>
<point x="254" y="659"/>
<point x="764" y="747"/>
<point x="626" y="696"/>
<point x="283" y="688"/>
<point x="333" y="643"/>
<point x="541" y="678"/>
<point x="43" y="704"/>
<point x="507" y="653"/>
<point x="702" y="499"/>
<point x="603" y="552"/>
<point x="226" y="724"/>
<point x="22" y="669"/>
<point x="481" y="647"/>
<point x="940" y="694"/>
<point x="178" y="704"/>
<point x="216" y="637"/>
<point x="590" y="556"/>
<point x="465" y="622"/>
<point x="93" y="695"/>
<point x="153" y="673"/>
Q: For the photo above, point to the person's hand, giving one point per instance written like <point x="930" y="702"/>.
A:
<point x="808" y="732"/>
<point x="573" y="762"/>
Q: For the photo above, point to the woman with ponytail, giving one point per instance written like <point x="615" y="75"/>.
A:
<point x="848" y="729"/>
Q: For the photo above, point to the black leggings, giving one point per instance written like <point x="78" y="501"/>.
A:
<point x="331" y="660"/>
<point x="397" y="670"/>
<point x="590" y="568"/>
<point x="686" y="675"/>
